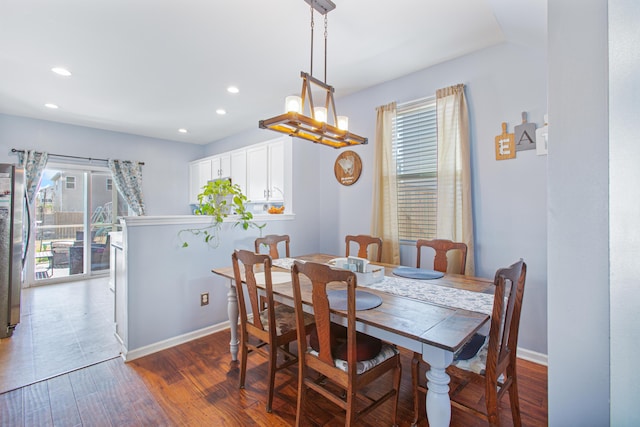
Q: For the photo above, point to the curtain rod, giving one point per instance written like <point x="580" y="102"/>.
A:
<point x="13" y="150"/>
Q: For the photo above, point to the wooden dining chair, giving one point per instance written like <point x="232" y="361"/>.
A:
<point x="364" y="242"/>
<point x="339" y="381"/>
<point x="495" y="363"/>
<point x="272" y="241"/>
<point x="274" y="327"/>
<point x="442" y="248"/>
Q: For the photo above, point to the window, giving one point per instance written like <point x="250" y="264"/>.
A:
<point x="70" y="183"/>
<point x="109" y="184"/>
<point x="415" y="145"/>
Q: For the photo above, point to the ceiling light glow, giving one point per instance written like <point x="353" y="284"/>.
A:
<point x="221" y="111"/>
<point x="52" y="106"/>
<point x="183" y="130"/>
<point x="233" y="89"/>
<point x="61" y="71"/>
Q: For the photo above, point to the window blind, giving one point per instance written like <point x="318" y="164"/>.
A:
<point x="415" y="147"/>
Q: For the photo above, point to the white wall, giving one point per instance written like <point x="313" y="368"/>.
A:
<point x="165" y="173"/>
<point x="578" y="235"/>
<point x="624" y="134"/>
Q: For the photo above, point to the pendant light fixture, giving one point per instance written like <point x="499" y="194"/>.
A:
<point x="322" y="125"/>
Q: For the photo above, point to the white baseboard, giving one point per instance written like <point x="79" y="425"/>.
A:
<point x="129" y="355"/>
<point x="532" y="356"/>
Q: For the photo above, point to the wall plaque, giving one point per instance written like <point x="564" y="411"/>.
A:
<point x="348" y="167"/>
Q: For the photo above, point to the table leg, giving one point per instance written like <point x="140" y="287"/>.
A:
<point x="232" y="311"/>
<point x="438" y="402"/>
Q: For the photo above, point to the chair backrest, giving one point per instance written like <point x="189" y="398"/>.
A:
<point x="320" y="275"/>
<point x="244" y="271"/>
<point x="364" y="242"/>
<point x="272" y="241"/>
<point x="505" y="319"/>
<point x="441" y="247"/>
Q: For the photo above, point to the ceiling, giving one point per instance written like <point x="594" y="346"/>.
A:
<point x="150" y="67"/>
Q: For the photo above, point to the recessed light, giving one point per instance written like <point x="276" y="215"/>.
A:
<point x="233" y="89"/>
<point x="221" y="111"/>
<point x="183" y="130"/>
<point x="52" y="106"/>
<point x="61" y="71"/>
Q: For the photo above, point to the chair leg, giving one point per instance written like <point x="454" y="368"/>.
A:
<point x="301" y="396"/>
<point x="491" y="400"/>
<point x="415" y="381"/>
<point x="397" y="377"/>
<point x="273" y="358"/>
<point x="350" y="417"/>
<point x="515" y="403"/>
<point x="243" y="361"/>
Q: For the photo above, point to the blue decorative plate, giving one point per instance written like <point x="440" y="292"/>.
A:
<point x="364" y="300"/>
<point x="417" y="273"/>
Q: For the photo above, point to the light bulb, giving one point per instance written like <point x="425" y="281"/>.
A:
<point x="343" y="122"/>
<point x="293" y="104"/>
<point x="321" y="114"/>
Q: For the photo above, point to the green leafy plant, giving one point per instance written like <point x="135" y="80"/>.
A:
<point x="220" y="199"/>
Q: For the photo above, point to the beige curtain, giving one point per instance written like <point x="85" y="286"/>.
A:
<point x="384" y="221"/>
<point x="455" y="216"/>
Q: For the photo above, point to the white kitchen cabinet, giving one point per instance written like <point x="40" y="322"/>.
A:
<point x="260" y="170"/>
<point x="265" y="172"/>
<point x="239" y="169"/>
<point x="200" y="172"/>
<point x="221" y="166"/>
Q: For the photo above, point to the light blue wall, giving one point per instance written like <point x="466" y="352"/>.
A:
<point x="166" y="175"/>
<point x="509" y="197"/>
<point x="624" y="109"/>
<point x="578" y="237"/>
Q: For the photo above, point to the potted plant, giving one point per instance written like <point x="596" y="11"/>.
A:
<point x="219" y="199"/>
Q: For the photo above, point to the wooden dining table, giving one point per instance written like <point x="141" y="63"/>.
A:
<point x="434" y="330"/>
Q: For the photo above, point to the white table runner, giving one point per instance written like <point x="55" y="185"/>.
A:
<point x="425" y="291"/>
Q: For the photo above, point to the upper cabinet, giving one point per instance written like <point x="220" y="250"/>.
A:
<point x="221" y="166"/>
<point x="265" y="172"/>
<point x="260" y="170"/>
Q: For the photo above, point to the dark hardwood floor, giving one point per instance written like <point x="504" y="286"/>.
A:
<point x="196" y="384"/>
<point x="62" y="327"/>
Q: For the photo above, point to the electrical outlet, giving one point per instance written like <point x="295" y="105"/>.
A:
<point x="204" y="298"/>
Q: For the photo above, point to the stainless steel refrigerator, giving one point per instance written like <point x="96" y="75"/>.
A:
<point x="12" y="245"/>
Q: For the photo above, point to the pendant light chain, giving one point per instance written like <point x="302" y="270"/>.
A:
<point x="325" y="47"/>
<point x="311" y="8"/>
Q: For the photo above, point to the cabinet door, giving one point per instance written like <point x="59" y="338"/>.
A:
<point x="199" y="175"/>
<point x="239" y="169"/>
<point x="257" y="169"/>
<point x="221" y="166"/>
<point x="276" y="171"/>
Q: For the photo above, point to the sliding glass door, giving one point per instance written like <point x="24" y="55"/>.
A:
<point x="76" y="209"/>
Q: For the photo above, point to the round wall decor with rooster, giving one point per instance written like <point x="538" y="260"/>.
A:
<point x="348" y="167"/>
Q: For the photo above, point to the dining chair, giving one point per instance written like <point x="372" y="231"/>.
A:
<point x="339" y="381"/>
<point x="272" y="241"/>
<point x="495" y="362"/>
<point x="364" y="242"/>
<point x="441" y="248"/>
<point x="274" y="327"/>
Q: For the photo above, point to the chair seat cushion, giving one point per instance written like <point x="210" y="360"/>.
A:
<point x="285" y="319"/>
<point x="386" y="352"/>
<point x="476" y="363"/>
<point x="367" y="347"/>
